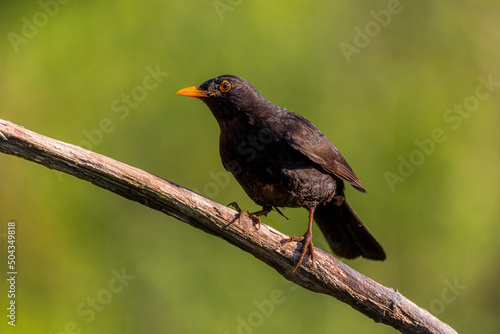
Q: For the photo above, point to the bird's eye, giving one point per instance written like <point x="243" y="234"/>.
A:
<point x="225" y="86"/>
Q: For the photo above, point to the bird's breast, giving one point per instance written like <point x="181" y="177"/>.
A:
<point x="272" y="172"/>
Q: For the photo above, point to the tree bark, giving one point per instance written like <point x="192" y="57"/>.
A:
<point x="329" y="275"/>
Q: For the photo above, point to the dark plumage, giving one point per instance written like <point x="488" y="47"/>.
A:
<point x="282" y="160"/>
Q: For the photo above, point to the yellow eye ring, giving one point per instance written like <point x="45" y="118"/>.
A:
<point x="225" y="86"/>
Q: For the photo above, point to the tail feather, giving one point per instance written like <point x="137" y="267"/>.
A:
<point x="347" y="235"/>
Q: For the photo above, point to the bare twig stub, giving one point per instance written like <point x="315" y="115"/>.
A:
<point x="329" y="275"/>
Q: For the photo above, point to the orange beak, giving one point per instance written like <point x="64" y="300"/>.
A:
<point x="193" y="91"/>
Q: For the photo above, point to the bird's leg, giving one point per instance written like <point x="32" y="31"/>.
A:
<point x="254" y="215"/>
<point x="306" y="241"/>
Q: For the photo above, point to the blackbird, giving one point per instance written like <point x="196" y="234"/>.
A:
<point x="281" y="159"/>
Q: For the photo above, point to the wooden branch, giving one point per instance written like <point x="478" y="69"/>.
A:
<point x="329" y="275"/>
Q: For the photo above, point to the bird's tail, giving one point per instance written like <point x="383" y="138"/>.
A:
<point x="347" y="235"/>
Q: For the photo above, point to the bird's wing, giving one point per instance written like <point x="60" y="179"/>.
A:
<point x="307" y="139"/>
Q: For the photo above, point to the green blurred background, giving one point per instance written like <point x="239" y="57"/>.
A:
<point x="62" y="69"/>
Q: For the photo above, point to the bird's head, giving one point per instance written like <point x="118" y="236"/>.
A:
<point x="227" y="96"/>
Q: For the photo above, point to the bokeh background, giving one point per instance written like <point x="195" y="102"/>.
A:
<point x="376" y="85"/>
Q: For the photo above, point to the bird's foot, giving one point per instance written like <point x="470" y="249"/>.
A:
<point x="306" y="241"/>
<point x="254" y="215"/>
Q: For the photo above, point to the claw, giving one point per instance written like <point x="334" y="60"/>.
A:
<point x="307" y="244"/>
<point x="254" y="215"/>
